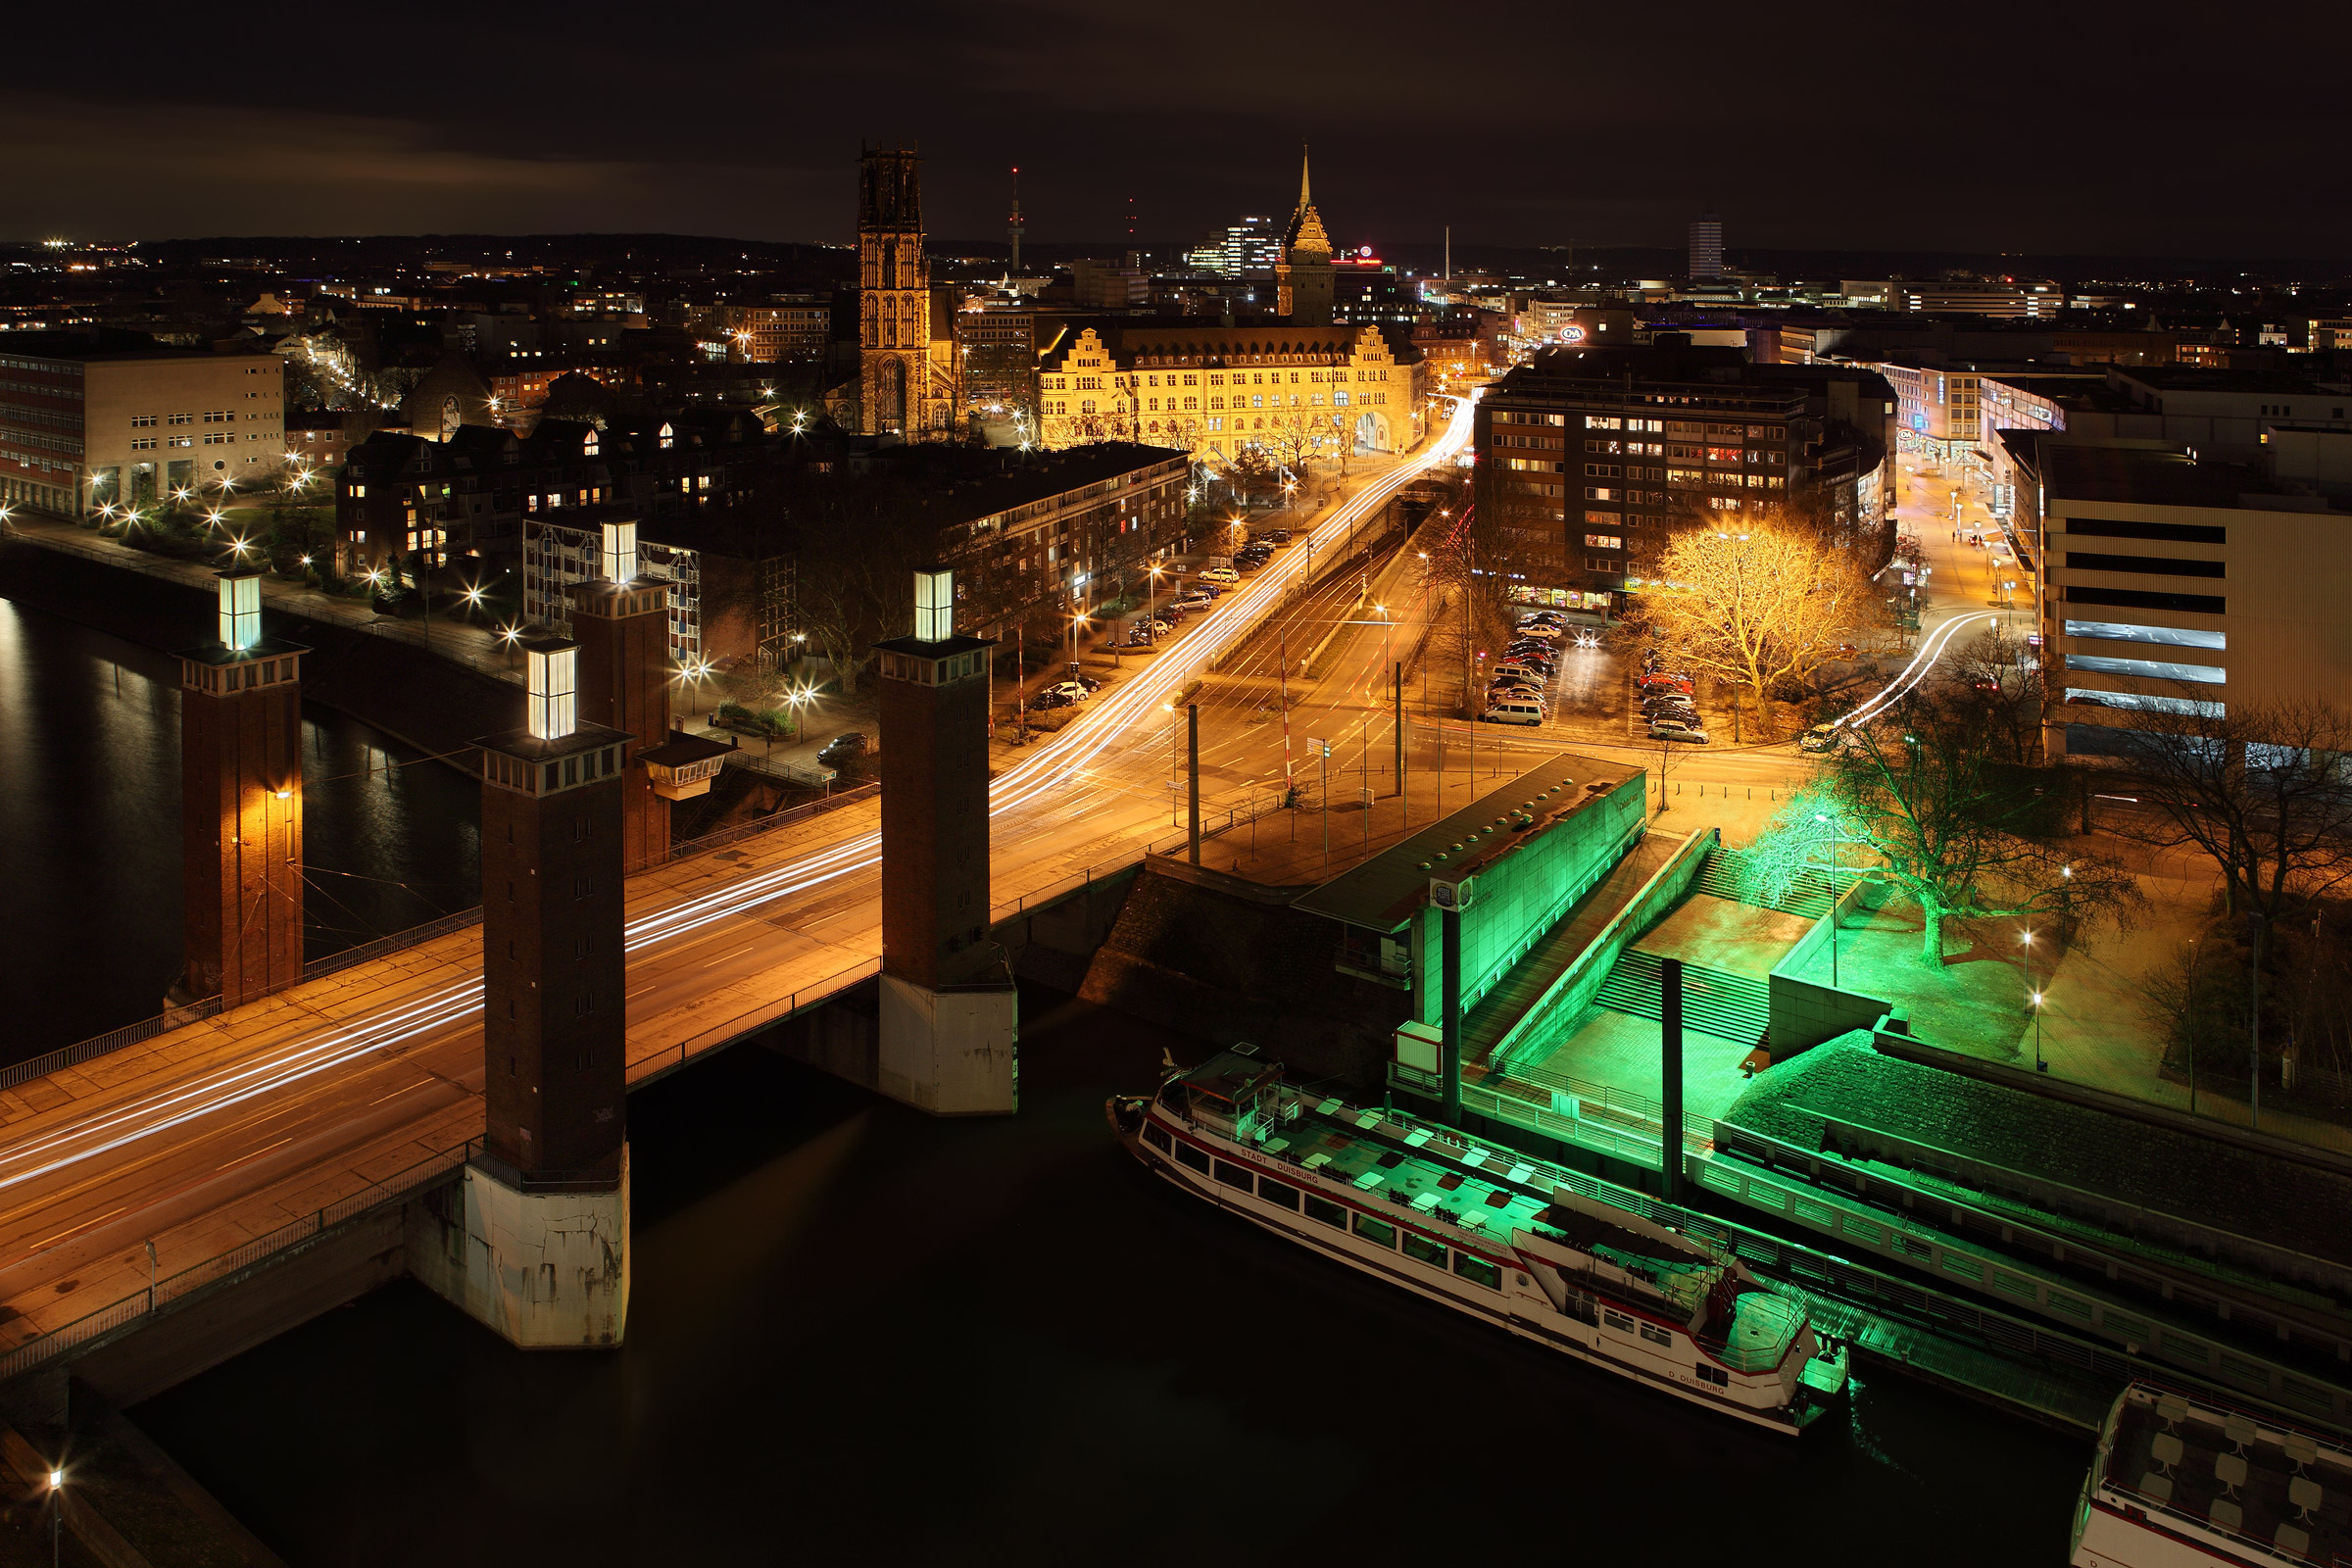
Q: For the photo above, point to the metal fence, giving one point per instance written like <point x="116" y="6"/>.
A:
<point x="725" y="836"/>
<point x="113" y="1040"/>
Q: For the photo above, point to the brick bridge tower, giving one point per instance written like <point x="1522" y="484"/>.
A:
<point x="622" y="623"/>
<point x="240" y="748"/>
<point x="533" y="1240"/>
<point x="950" y="1014"/>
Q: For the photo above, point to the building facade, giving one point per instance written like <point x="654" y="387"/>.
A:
<point x="729" y="583"/>
<point x="2180" y="585"/>
<point x="1216" y="391"/>
<point x="84" y="429"/>
<point x="906" y="373"/>
<point x="1590" y="457"/>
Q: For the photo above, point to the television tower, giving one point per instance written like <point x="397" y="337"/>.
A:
<point x="1014" y="232"/>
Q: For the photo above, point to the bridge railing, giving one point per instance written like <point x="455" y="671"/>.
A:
<point x="129" y="1034"/>
<point x="430" y="1171"/>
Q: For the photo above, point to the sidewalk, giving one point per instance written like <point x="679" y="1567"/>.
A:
<point x="477" y="647"/>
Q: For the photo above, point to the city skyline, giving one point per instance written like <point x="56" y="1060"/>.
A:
<point x="1887" y="142"/>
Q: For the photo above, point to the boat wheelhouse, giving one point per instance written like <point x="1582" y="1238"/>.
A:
<point x="2182" y="1480"/>
<point x="1524" y="1244"/>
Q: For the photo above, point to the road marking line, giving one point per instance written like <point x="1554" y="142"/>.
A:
<point x="643" y="989"/>
<point x="739" y="951"/>
<point x="84" y="1226"/>
<point x="397" y="1093"/>
<point x="264" y="1149"/>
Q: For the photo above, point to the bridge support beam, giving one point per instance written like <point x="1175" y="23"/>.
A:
<point x="544" y="1271"/>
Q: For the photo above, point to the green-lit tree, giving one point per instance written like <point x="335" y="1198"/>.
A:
<point x="1918" y="799"/>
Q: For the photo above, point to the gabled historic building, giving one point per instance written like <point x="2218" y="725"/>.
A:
<point x="1214" y="391"/>
<point x="907" y="381"/>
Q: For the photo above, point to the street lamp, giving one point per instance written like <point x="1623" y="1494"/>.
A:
<point x="2033" y="997"/>
<point x="57" y="1516"/>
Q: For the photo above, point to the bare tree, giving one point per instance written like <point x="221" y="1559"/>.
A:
<point x="1759" y="602"/>
<point x="2264" y="788"/>
<point x="1916" y="801"/>
<point x="2003" y="678"/>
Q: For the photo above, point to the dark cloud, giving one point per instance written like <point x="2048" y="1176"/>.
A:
<point x="2083" y="129"/>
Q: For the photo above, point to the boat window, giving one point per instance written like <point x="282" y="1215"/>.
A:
<point x="1171" y="1095"/>
<point x="1422" y="1250"/>
<point x="1715" y="1375"/>
<point x="1187" y="1155"/>
<point x="1580" y="1307"/>
<point x="1655" y="1334"/>
<point x="1233" y="1175"/>
<point x="1616" y="1321"/>
<point x="1379" y="1232"/>
<point x="1282" y="1194"/>
<point x="1157" y="1136"/>
<point x="1477" y="1269"/>
<point x="1329" y="1212"/>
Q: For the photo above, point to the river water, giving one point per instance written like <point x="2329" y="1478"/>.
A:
<point x="861" y="1335"/>
<point x="89" y="830"/>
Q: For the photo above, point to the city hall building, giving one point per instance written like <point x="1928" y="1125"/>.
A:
<point x="1216" y="390"/>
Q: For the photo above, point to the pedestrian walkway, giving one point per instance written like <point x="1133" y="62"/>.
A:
<point x="474" y="645"/>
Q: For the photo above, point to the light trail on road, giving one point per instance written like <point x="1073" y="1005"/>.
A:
<point x="1063" y="758"/>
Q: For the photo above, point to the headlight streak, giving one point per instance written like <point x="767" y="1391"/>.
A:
<point x="1056" y="763"/>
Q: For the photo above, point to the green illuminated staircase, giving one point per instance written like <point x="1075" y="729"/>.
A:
<point x="1719" y="877"/>
<point x="1731" y="1006"/>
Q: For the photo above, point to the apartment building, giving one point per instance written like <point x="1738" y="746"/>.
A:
<point x="1594" y="454"/>
<point x="2180" y="584"/>
<point x="93" y="422"/>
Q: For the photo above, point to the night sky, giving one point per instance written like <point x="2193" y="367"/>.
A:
<point x="2083" y="128"/>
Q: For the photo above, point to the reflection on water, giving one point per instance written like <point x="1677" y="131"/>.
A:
<point x="861" y="1335"/>
<point x="91" y="832"/>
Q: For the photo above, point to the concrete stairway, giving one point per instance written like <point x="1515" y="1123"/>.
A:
<point x="1720" y="877"/>
<point x="1731" y="1006"/>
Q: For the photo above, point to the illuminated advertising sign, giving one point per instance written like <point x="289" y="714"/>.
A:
<point x="1572" y="333"/>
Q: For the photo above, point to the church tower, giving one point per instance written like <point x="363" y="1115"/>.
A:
<point x="894" y="294"/>
<point x="1303" y="277"/>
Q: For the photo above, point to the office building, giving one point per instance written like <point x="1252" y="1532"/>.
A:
<point x="1707" y="248"/>
<point x="90" y="421"/>
<point x="793" y="328"/>
<point x="2179" y="584"/>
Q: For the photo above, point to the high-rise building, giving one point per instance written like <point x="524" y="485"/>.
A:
<point x="1252" y="246"/>
<point x="240" y="735"/>
<point x="1706" y="247"/>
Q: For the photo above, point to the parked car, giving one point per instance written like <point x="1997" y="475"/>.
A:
<point x="1511" y="666"/>
<point x="1663" y="682"/>
<point x="1675" y="729"/>
<point x="1219" y="575"/>
<point x="1541" y="629"/>
<point x="842" y="749"/>
<point x="1067" y="688"/>
<point x="1821" y="738"/>
<point x="1193" y="602"/>
<point x="1657" y="700"/>
<point x="1514" y="710"/>
<point x="1278" y="536"/>
<point x="1050" y="698"/>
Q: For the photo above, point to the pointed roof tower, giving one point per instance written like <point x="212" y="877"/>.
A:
<point x="1306" y="229"/>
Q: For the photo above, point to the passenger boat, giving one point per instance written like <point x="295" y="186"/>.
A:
<point x="1488" y="1231"/>
<point x="2182" y="1480"/>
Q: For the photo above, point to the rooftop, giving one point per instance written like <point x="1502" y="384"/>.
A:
<point x="2191" y="378"/>
<point x="2152" y="476"/>
<point x="1386" y="890"/>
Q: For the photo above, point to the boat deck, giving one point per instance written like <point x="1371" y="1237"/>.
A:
<point x="2221" y="1469"/>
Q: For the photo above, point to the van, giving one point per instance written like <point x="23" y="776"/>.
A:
<point x="1517" y="711"/>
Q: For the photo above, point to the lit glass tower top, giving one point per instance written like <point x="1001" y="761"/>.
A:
<point x="552" y="670"/>
<point x="240" y="610"/>
<point x="620" y="552"/>
<point x="934" y="605"/>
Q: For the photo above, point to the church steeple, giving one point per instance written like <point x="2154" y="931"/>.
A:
<point x="1303" y="277"/>
<point x="1305" y="197"/>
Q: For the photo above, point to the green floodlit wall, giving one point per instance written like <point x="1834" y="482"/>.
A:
<point x="1522" y="895"/>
